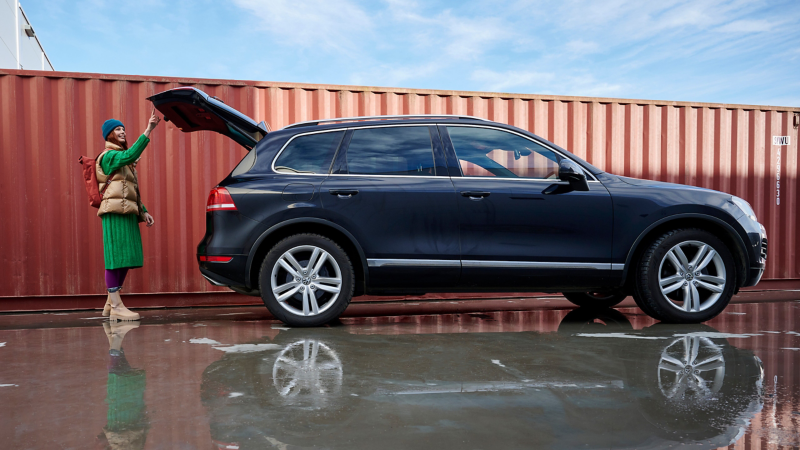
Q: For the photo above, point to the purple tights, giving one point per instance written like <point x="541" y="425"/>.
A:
<point x="115" y="278"/>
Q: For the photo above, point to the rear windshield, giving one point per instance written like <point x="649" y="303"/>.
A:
<point x="312" y="153"/>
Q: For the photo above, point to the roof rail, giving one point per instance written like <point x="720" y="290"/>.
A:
<point x="354" y="119"/>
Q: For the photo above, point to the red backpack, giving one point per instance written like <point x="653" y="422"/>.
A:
<point x="89" y="169"/>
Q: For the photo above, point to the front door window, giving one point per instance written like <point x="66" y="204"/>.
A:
<point x="484" y="152"/>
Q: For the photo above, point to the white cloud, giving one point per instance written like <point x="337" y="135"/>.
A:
<point x="468" y="38"/>
<point x="330" y="24"/>
<point x="636" y="19"/>
<point x="505" y="81"/>
<point x="747" y="26"/>
<point x="462" y="37"/>
<point x="394" y="74"/>
<point x="544" y="83"/>
<point x="582" y="47"/>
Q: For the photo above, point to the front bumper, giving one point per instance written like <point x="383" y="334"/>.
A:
<point x="759" y="265"/>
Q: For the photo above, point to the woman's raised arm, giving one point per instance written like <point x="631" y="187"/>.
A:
<point x="151" y="124"/>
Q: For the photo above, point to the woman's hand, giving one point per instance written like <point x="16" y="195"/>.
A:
<point x="151" y="124"/>
<point x="148" y="220"/>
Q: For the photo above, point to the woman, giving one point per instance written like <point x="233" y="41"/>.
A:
<point x="121" y="210"/>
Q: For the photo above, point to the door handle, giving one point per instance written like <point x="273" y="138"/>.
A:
<point x="343" y="193"/>
<point x="475" y="195"/>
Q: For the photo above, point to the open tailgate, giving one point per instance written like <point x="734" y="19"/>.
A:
<point x="191" y="109"/>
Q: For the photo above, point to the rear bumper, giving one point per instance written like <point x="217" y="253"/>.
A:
<point x="216" y="279"/>
<point x="225" y="274"/>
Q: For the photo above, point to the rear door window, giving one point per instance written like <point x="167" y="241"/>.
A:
<point x="487" y="152"/>
<point x="391" y="151"/>
<point x="310" y="154"/>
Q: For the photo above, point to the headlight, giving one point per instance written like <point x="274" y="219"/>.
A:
<point x="745" y="207"/>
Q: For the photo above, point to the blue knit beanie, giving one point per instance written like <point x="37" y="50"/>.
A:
<point x="109" y="125"/>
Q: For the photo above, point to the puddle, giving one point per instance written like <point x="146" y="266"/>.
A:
<point x="204" y="341"/>
<point x="710" y="334"/>
<point x="248" y="348"/>
<point x="620" y="335"/>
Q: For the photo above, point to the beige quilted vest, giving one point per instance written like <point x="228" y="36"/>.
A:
<point x="121" y="195"/>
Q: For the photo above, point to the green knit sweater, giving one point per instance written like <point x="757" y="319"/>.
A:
<point x="122" y="242"/>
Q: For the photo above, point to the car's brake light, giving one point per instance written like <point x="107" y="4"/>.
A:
<point x="220" y="200"/>
<point x="205" y="258"/>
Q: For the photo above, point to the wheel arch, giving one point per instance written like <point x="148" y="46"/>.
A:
<point x="323" y="227"/>
<point x="715" y="225"/>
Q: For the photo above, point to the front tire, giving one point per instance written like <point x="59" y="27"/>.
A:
<point x="306" y="280"/>
<point x="685" y="276"/>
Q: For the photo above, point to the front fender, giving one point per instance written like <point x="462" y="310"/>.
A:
<point x="735" y="230"/>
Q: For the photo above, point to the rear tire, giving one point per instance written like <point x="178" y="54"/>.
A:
<point x="685" y="276"/>
<point x="306" y="280"/>
<point x="595" y="299"/>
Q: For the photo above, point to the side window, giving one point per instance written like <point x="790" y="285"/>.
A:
<point x="391" y="151"/>
<point x="312" y="153"/>
<point x="485" y="152"/>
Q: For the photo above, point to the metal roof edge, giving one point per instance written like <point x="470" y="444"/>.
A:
<point x="378" y="89"/>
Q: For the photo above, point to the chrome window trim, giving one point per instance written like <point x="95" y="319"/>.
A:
<point x="413" y="263"/>
<point x="390" y="176"/>
<point x="541" y="180"/>
<point x="492" y="264"/>
<point x="308" y="133"/>
<point x="401" y="116"/>
<point x="278" y="155"/>
<point x="589" y="176"/>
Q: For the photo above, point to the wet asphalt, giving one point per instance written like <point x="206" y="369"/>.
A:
<point x="228" y="378"/>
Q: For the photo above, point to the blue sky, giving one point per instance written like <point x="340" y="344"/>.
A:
<point x="728" y="51"/>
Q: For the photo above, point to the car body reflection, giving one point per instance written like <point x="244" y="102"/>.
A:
<point x="596" y="383"/>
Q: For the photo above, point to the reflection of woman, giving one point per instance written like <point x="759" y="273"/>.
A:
<point x="121" y="210"/>
<point x="126" y="426"/>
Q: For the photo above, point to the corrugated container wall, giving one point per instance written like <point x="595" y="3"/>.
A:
<point x="51" y="241"/>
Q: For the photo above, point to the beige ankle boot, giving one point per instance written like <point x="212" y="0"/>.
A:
<point x="107" y="307"/>
<point x="118" y="310"/>
<point x="107" y="328"/>
<point x="118" y="331"/>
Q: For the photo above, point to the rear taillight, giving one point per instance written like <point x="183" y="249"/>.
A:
<point x="220" y="200"/>
<point x="205" y="258"/>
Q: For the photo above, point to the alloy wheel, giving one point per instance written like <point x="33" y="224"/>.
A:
<point x="692" y="366"/>
<point x="306" y="280"/>
<point x="692" y="276"/>
<point x="307" y="370"/>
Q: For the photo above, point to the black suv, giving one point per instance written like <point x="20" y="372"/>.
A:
<point x="324" y="210"/>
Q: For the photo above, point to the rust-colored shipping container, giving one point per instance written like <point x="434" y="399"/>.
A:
<point x="51" y="241"/>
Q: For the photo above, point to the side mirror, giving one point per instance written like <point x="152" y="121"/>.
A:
<point x="569" y="171"/>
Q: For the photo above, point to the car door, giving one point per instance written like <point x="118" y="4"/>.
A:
<point x="389" y="191"/>
<point x="515" y="232"/>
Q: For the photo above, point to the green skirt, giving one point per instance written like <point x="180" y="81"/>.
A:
<point x="125" y="398"/>
<point x="122" y="242"/>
